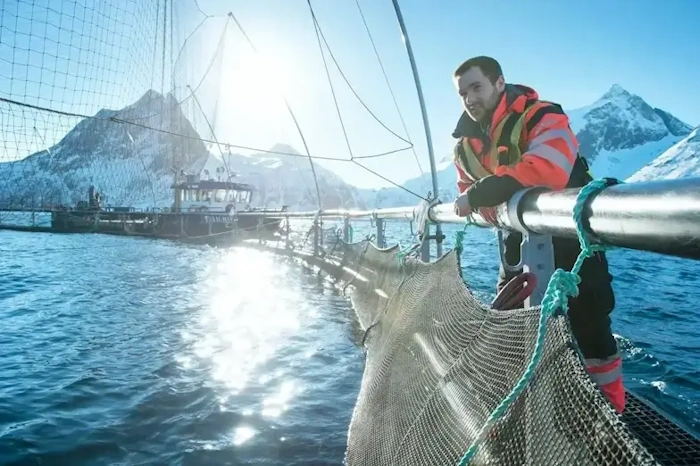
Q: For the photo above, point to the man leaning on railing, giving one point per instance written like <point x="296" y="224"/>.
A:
<point x="509" y="139"/>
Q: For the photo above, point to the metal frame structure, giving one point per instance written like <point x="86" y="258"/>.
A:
<point x="654" y="216"/>
<point x="424" y="113"/>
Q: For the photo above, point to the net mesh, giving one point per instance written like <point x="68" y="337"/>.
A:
<point x="130" y="97"/>
<point x="124" y="98"/>
<point x="439" y="362"/>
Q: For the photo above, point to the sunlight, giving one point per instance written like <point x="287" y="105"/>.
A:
<point x="276" y="404"/>
<point x="242" y="435"/>
<point x="252" y="92"/>
<point x="250" y="315"/>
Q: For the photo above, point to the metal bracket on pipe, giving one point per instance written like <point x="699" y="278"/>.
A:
<point x="381" y="241"/>
<point x="423" y="220"/>
<point x="346" y="229"/>
<point x="537" y="255"/>
<point x="318" y="236"/>
<point x="536" y="251"/>
<point x="421" y="216"/>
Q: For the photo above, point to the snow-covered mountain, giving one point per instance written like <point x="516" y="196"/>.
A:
<point x="134" y="165"/>
<point x="618" y="134"/>
<point x="286" y="179"/>
<point x="129" y="164"/>
<point x="680" y="161"/>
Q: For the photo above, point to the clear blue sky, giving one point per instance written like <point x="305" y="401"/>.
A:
<point x="571" y="52"/>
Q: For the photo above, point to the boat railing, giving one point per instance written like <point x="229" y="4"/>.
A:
<point x="656" y="216"/>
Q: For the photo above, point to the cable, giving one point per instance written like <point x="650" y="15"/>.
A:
<point x="382" y="154"/>
<point x="155" y="41"/>
<point x="330" y="81"/>
<point x="165" y="32"/>
<point x="335" y="101"/>
<point x="213" y="135"/>
<point x="389" y="181"/>
<point x="164" y="131"/>
<point x="206" y="73"/>
<point x="301" y="173"/>
<point x="200" y="10"/>
<point x="291" y="113"/>
<point x="352" y="89"/>
<point x="388" y="84"/>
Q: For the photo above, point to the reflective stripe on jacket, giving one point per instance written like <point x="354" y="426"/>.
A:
<point x="528" y="139"/>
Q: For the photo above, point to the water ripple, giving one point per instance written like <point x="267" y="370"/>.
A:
<point x="130" y="351"/>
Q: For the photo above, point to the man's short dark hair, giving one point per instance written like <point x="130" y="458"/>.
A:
<point x="489" y="66"/>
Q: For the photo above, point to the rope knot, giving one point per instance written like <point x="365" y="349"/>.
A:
<point x="459" y="240"/>
<point x="561" y="287"/>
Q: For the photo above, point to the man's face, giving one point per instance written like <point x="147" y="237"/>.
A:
<point x="479" y="96"/>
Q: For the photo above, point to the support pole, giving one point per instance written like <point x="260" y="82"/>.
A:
<point x="346" y="229"/>
<point x="287" y="232"/>
<point x="424" y="112"/>
<point x="537" y="253"/>
<point x="425" y="246"/>
<point x="316" y="236"/>
<point x="381" y="242"/>
<point x="536" y="257"/>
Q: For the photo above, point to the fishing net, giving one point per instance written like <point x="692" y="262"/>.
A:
<point x="439" y="362"/>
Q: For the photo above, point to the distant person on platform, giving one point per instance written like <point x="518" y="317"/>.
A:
<point x="510" y="140"/>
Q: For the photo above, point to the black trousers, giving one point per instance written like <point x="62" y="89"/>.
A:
<point x="589" y="312"/>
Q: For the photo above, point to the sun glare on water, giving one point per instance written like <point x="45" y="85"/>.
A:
<point x="250" y="314"/>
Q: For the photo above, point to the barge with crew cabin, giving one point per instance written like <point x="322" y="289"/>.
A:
<point x="203" y="211"/>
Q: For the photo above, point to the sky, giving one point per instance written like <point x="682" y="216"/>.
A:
<point x="80" y="59"/>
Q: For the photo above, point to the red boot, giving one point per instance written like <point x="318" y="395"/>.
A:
<point x="607" y="374"/>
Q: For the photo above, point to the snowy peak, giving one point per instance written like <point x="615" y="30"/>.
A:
<point x="680" y="161"/>
<point x="133" y="155"/>
<point x="615" y="92"/>
<point x="620" y="132"/>
<point x="622" y="120"/>
<point x="284" y="149"/>
<point x="108" y="136"/>
<point x="675" y="126"/>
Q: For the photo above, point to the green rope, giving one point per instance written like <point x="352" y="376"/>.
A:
<point x="403" y="252"/>
<point x="459" y="236"/>
<point x="459" y="239"/>
<point x="562" y="285"/>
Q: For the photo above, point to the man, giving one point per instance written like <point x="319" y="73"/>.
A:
<point x="510" y="140"/>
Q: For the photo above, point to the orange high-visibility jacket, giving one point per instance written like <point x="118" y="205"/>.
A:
<point x="528" y="139"/>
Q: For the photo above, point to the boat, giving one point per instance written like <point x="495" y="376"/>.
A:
<point x="222" y="202"/>
<point x="203" y="211"/>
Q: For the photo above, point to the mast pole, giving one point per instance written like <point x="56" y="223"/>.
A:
<point x="424" y="112"/>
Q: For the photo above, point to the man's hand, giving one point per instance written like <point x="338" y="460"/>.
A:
<point x="486" y="194"/>
<point x="461" y="205"/>
<point x="492" y="190"/>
